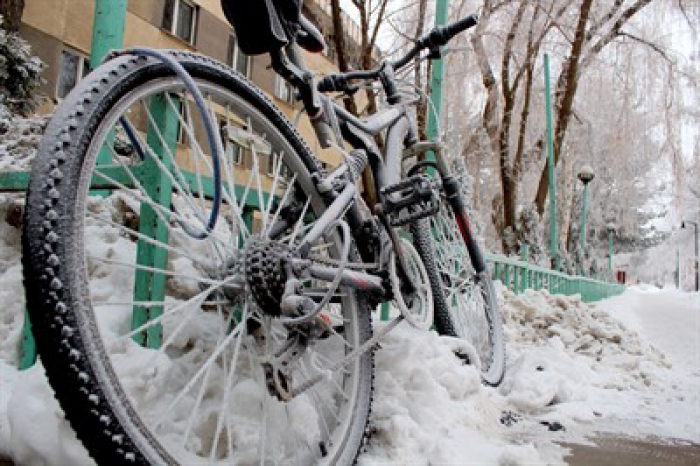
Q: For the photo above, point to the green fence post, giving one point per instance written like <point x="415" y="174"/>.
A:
<point x="28" y="351"/>
<point x="436" y="80"/>
<point x="150" y="285"/>
<point x="551" y="172"/>
<point x="384" y="311"/>
<point x="107" y="34"/>
<point x="524" y="257"/>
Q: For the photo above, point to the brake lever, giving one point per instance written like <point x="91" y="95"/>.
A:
<point x="352" y="89"/>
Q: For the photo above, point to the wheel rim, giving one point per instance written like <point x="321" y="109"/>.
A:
<point x="417" y="309"/>
<point x="206" y="317"/>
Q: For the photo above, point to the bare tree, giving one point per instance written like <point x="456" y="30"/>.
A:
<point x="578" y="31"/>
<point x="372" y="14"/>
<point x="11" y="12"/>
<point x="590" y="39"/>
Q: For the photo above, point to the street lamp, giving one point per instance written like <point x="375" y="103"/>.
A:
<point x="611" y="232"/>
<point x="586" y="175"/>
<point x="697" y="253"/>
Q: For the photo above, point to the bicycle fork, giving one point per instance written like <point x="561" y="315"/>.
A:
<point x="450" y="185"/>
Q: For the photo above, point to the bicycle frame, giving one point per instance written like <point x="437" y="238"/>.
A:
<point x="401" y="141"/>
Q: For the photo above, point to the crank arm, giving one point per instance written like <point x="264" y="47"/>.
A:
<point x="398" y="253"/>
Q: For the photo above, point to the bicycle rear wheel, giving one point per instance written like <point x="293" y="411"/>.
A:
<point x="465" y="302"/>
<point x="156" y="348"/>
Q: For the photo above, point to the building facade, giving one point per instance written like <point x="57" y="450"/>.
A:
<point x="60" y="33"/>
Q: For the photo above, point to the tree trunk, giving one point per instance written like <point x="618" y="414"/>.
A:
<point x="422" y="108"/>
<point x="11" y="11"/>
<point x="582" y="53"/>
<point x="568" y="85"/>
<point x="341" y="50"/>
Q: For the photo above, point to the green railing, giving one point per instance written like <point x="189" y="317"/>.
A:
<point x="519" y="276"/>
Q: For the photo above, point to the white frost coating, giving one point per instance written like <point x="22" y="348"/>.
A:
<point x="568" y="362"/>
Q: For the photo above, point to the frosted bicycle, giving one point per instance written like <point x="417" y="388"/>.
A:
<point x="201" y="287"/>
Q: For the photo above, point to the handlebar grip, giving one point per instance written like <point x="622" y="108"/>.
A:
<point x="332" y="83"/>
<point x="461" y="26"/>
<point x="439" y="37"/>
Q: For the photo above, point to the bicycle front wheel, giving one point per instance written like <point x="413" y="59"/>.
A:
<point x="465" y="301"/>
<point x="156" y="347"/>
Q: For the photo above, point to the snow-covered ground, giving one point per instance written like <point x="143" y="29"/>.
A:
<point x="628" y="365"/>
<point x="19" y="138"/>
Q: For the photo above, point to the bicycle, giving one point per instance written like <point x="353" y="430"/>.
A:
<point x="190" y="308"/>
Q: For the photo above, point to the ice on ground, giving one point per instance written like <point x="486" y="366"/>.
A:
<point x="626" y="365"/>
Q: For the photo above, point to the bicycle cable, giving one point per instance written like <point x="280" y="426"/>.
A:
<point x="214" y="142"/>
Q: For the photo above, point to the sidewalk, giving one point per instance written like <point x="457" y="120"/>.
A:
<point x="615" y="451"/>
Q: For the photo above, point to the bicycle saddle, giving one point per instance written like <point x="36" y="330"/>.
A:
<point x="265" y="25"/>
<point x="309" y="37"/>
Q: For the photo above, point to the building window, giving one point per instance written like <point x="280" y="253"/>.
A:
<point x="180" y="19"/>
<point x="271" y="164"/>
<point x="238" y="60"/>
<point x="74" y="67"/>
<point x="233" y="150"/>
<point x="184" y="126"/>
<point x="283" y="90"/>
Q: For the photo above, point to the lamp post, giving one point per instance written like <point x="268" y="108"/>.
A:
<point x="586" y="175"/>
<point x="697" y="252"/>
<point x="611" y="232"/>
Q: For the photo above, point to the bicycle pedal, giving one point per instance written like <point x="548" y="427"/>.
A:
<point x="412" y="199"/>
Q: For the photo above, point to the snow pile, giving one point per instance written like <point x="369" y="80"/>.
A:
<point x="19" y="139"/>
<point x="11" y="289"/>
<point x="430" y="408"/>
<point x="579" y="337"/>
<point x="573" y="368"/>
<point x="36" y="431"/>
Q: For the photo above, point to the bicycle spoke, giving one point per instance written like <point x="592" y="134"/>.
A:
<point x="182" y="305"/>
<point x="223" y="413"/>
<point x="172" y="160"/>
<point x="282" y="203"/>
<point x="143" y="237"/>
<point x="212" y="358"/>
<point x="154" y="270"/>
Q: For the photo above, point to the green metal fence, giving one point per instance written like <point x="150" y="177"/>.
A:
<point x="519" y="276"/>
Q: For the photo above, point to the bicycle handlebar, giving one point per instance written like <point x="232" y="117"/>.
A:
<point x="438" y="37"/>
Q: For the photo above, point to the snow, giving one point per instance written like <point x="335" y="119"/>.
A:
<point x="19" y="138"/>
<point x="667" y="317"/>
<point x="625" y="365"/>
